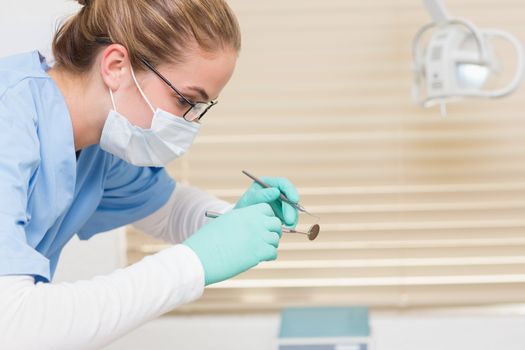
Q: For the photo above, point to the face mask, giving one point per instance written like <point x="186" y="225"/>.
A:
<point x="168" y="138"/>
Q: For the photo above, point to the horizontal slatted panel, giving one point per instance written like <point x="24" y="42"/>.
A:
<point x="417" y="209"/>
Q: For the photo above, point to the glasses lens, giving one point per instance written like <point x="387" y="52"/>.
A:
<point x="196" y="111"/>
<point x="189" y="115"/>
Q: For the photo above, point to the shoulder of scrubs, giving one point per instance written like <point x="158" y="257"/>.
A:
<point x="17" y="68"/>
<point x="19" y="160"/>
<point x="130" y="193"/>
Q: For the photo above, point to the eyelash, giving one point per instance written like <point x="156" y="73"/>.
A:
<point x="181" y="101"/>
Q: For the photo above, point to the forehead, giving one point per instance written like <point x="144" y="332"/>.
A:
<point x="209" y="71"/>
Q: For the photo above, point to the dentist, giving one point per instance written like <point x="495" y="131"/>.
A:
<point x="83" y="145"/>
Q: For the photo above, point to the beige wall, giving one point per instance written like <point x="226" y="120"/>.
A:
<point x="416" y="209"/>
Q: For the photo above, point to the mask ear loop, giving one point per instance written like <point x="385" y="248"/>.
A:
<point x="142" y="92"/>
<point x="112" y="99"/>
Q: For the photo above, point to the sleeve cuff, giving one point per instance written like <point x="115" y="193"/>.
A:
<point x="189" y="267"/>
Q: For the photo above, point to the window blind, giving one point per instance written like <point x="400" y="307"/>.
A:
<point x="416" y="209"/>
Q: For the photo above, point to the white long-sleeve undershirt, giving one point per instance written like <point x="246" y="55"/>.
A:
<point x="90" y="314"/>
<point x="182" y="215"/>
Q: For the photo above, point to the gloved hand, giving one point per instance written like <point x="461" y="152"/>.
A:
<point x="257" y="194"/>
<point x="236" y="242"/>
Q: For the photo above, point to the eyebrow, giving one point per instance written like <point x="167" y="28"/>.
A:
<point x="200" y="91"/>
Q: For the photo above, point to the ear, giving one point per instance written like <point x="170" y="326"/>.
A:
<point x="114" y="66"/>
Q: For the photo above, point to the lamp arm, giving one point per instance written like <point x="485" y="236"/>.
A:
<point x="437" y="11"/>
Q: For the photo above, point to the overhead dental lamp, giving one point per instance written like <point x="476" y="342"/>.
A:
<point x="458" y="60"/>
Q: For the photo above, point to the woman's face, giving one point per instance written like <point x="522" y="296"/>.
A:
<point x="200" y="78"/>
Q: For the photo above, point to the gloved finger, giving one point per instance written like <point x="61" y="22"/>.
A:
<point x="264" y="208"/>
<point x="267" y="253"/>
<point x="274" y="224"/>
<point x="265" y="195"/>
<point x="271" y="238"/>
<point x="285" y="186"/>
<point x="290" y="215"/>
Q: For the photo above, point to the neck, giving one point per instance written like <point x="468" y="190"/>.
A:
<point x="85" y="107"/>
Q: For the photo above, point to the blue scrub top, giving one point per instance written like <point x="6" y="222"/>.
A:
<point x="46" y="195"/>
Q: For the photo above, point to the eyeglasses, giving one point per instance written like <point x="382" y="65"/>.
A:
<point x="196" y="110"/>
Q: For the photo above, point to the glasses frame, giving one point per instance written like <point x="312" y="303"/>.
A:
<point x="171" y="86"/>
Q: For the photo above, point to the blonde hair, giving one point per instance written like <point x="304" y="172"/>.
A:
<point x="159" y="31"/>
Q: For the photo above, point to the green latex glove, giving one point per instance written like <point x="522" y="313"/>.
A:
<point x="236" y="242"/>
<point x="257" y="194"/>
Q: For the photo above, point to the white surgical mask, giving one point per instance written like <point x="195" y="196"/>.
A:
<point x="168" y="138"/>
